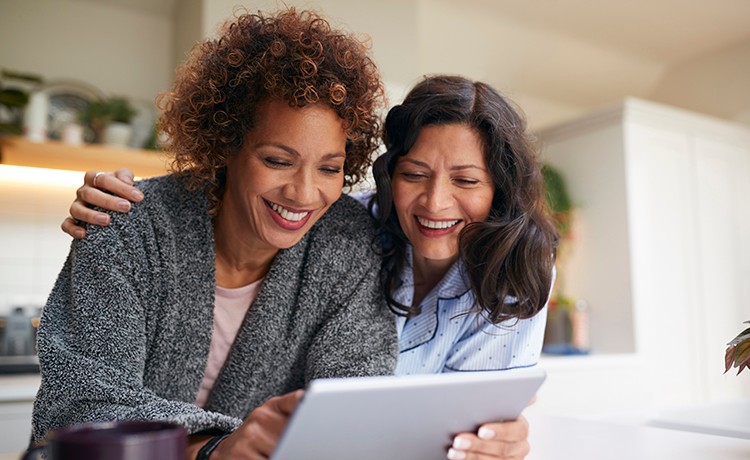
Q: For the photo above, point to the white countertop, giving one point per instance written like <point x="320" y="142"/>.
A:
<point x="563" y="438"/>
<point x="566" y="438"/>
<point x="731" y="418"/>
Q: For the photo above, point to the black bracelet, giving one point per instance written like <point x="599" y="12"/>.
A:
<point x="210" y="446"/>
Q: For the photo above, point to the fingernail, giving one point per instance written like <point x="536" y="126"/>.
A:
<point x="461" y="443"/>
<point x="102" y="219"/>
<point x="123" y="206"/>
<point x="456" y="454"/>
<point x="486" y="433"/>
<point x="80" y="234"/>
<point x="136" y="195"/>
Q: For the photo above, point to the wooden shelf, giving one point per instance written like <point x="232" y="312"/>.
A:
<point x="18" y="151"/>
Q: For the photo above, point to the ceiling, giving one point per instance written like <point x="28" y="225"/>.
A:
<point x="563" y="58"/>
<point x="670" y="31"/>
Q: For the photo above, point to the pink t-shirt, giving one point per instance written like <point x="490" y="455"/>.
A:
<point x="229" y="313"/>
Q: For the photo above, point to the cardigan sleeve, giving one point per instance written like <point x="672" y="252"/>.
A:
<point x="93" y="347"/>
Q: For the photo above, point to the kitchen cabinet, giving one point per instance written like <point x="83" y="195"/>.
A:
<point x="18" y="151"/>
<point x="17" y="394"/>
<point x="660" y="251"/>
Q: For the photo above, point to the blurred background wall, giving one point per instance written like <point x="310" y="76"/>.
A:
<point x="557" y="59"/>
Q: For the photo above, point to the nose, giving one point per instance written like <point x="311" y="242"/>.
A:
<point x="437" y="195"/>
<point x="301" y="189"/>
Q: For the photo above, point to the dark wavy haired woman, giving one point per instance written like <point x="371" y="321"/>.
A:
<point x="460" y="197"/>
<point x="242" y="276"/>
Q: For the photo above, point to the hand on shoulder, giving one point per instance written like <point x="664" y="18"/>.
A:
<point x="108" y="190"/>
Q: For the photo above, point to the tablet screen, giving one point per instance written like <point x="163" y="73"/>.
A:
<point x="401" y="417"/>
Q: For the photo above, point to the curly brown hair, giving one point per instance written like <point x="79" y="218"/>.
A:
<point x="295" y="56"/>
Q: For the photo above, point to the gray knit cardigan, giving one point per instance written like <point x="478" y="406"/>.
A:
<point x="126" y="330"/>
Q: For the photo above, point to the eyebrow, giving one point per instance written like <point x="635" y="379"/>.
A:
<point x="452" y="168"/>
<point x="291" y="151"/>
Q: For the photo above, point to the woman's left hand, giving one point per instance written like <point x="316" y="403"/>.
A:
<point x="496" y="440"/>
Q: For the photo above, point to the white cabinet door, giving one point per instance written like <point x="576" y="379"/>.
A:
<point x="659" y="170"/>
<point x="722" y="201"/>
<point x="15" y="426"/>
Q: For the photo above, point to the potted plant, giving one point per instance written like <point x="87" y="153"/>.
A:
<point x="110" y="119"/>
<point x="565" y="331"/>
<point x="14" y="98"/>
<point x="738" y="352"/>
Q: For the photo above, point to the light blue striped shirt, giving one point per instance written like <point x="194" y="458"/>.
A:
<point x="447" y="337"/>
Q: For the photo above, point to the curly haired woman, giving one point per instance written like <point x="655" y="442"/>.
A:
<point x="249" y="238"/>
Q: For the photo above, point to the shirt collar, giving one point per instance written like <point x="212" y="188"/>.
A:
<point x="455" y="283"/>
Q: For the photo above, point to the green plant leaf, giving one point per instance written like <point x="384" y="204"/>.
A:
<point x="11" y="97"/>
<point x="120" y="109"/>
<point x="741" y="337"/>
<point x="557" y="191"/>
<point x="103" y="112"/>
<point x="558" y="198"/>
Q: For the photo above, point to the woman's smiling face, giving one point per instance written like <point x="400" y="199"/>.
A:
<point x="441" y="185"/>
<point x="289" y="171"/>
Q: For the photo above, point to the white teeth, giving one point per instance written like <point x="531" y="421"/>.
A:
<point x="287" y="214"/>
<point x="436" y="224"/>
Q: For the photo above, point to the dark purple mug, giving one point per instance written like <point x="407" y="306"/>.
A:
<point x="120" y="440"/>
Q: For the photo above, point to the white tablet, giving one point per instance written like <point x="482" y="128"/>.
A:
<point x="401" y="417"/>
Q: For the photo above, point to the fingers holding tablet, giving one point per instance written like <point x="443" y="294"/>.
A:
<point x="257" y="437"/>
<point x="497" y="440"/>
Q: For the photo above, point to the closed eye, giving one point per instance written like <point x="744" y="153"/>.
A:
<point x="331" y="171"/>
<point x="413" y="176"/>
<point x="466" y="182"/>
<point x="276" y="163"/>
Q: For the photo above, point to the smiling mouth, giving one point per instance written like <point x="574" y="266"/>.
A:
<point x="437" y="224"/>
<point x="287" y="214"/>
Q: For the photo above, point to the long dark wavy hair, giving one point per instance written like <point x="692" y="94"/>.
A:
<point x="511" y="254"/>
<point x="295" y="56"/>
